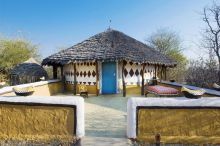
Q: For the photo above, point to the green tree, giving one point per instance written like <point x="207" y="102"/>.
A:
<point x="169" y="43"/>
<point x="13" y="52"/>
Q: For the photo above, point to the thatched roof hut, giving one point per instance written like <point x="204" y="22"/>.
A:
<point x="27" y="72"/>
<point x="107" y="61"/>
<point x="110" y="45"/>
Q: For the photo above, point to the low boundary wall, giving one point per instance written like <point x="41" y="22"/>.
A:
<point x="42" y="88"/>
<point x="41" y="118"/>
<point x="177" y="120"/>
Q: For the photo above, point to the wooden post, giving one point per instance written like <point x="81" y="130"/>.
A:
<point x="165" y="73"/>
<point x="123" y="79"/>
<point x="97" y="78"/>
<point x="142" y="86"/>
<point x="54" y="72"/>
<point x="161" y="73"/>
<point x="74" y="86"/>
<point x="63" y="79"/>
<point x="155" y="73"/>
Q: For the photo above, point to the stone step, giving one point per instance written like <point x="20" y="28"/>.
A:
<point x="103" y="141"/>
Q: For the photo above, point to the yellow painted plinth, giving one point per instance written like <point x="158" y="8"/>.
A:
<point x="194" y="126"/>
<point x="132" y="90"/>
<point x="91" y="88"/>
<point x="40" y="123"/>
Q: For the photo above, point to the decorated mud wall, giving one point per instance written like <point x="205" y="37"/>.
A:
<point x="133" y="73"/>
<point x="85" y="74"/>
<point x="133" y="77"/>
<point x="37" y="122"/>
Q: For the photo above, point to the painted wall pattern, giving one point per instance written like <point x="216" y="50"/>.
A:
<point x="85" y="73"/>
<point x="69" y="73"/>
<point x="133" y="73"/>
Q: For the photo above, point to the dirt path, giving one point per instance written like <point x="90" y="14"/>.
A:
<point x="105" y="116"/>
<point x="105" y="121"/>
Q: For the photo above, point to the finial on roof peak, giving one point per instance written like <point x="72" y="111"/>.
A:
<point x="109" y="29"/>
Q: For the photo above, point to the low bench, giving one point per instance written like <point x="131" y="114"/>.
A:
<point x="161" y="90"/>
<point x="41" y="118"/>
<point x="174" y="120"/>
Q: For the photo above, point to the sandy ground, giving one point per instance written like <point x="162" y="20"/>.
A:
<point x="105" y="116"/>
<point x="105" y="121"/>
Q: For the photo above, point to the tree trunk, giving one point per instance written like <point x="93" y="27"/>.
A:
<point x="219" y="71"/>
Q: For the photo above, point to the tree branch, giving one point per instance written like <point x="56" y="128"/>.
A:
<point x="205" y="19"/>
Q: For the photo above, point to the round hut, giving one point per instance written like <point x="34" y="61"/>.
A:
<point x="109" y="62"/>
<point x="27" y="72"/>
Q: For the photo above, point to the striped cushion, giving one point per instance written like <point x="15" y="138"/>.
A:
<point x="162" y="90"/>
<point x="23" y="89"/>
<point x="193" y="92"/>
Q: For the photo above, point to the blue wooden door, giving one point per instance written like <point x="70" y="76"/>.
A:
<point x="108" y="78"/>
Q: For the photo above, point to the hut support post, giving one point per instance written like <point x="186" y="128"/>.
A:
<point x="165" y="73"/>
<point x="97" y="78"/>
<point x="63" y="79"/>
<point x="161" y="73"/>
<point x="74" y="86"/>
<point x="54" y="72"/>
<point x="142" y="86"/>
<point x="123" y="79"/>
<point x="155" y="73"/>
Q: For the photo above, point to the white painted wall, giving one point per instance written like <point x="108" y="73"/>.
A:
<point x="135" y="79"/>
<point x="86" y="73"/>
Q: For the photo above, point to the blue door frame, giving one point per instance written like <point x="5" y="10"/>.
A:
<point x="109" y="78"/>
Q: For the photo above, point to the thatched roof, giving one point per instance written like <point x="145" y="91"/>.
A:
<point x="29" y="68"/>
<point x="110" y="45"/>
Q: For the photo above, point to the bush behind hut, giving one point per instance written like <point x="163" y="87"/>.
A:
<point x="202" y="73"/>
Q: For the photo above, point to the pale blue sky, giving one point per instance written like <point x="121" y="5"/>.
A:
<point x="62" y="23"/>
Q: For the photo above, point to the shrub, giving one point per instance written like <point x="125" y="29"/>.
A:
<point x="202" y="73"/>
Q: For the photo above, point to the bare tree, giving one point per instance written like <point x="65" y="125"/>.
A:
<point x="211" y="36"/>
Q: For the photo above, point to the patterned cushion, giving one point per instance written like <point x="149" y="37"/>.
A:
<point x="82" y="88"/>
<point x="193" y="92"/>
<point x="162" y="90"/>
<point x="216" y="86"/>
